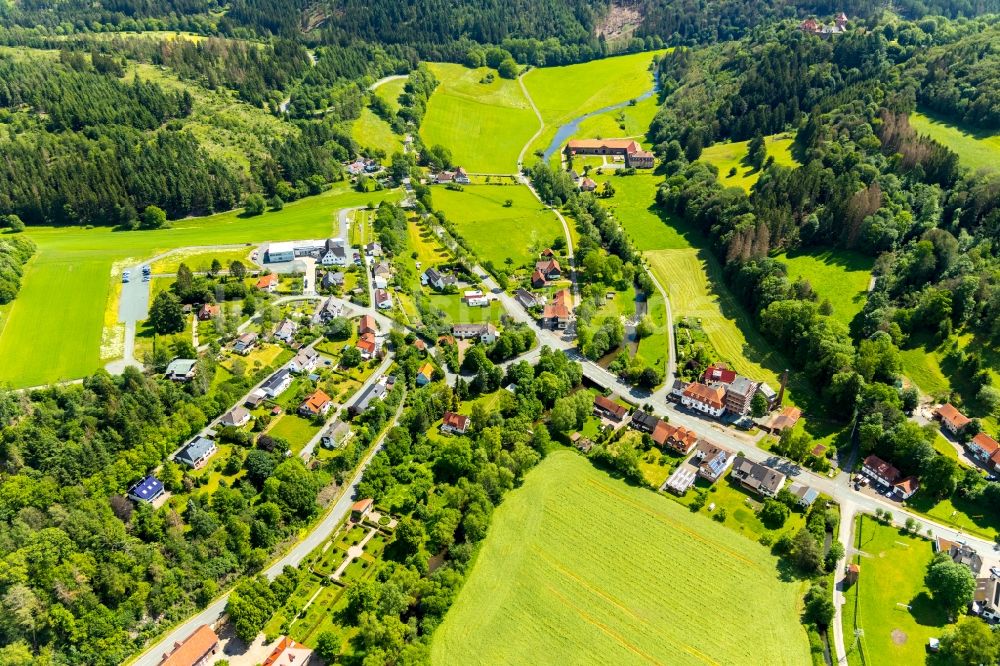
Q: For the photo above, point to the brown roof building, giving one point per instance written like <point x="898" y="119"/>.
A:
<point x="609" y="408"/>
<point x="951" y="419"/>
<point x="196" y="650"/>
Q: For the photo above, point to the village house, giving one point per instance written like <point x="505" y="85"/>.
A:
<point x="804" y="495"/>
<point x="628" y="149"/>
<point x="366" y="324"/>
<point x="197" y="452"/>
<point x="769" y="394"/>
<point x="676" y="393"/>
<point x="905" y="488"/>
<point x="444" y="177"/>
<point x="148" y="490"/>
<point x="329" y="310"/>
<point x="361" y="508"/>
<point x="456" y="424"/>
<point x="713" y="461"/>
<point x="332" y="280"/>
<point x="286" y="330"/>
<point x="318" y="403"/>
<point x="879" y="471"/>
<point x="236" y="417"/>
<point x="373" y="249"/>
<point x="335" y="253"/>
<point x="487" y="333"/>
<point x="951" y="419"/>
<point x="425" y="374"/>
<point x="208" y="311"/>
<point x="181" y="369"/>
<point x="982" y="447"/>
<point x="557" y="314"/>
<point x="383" y="270"/>
<point x="383" y="301"/>
<point x="374" y="392"/>
<point x="198" y="649"/>
<point x="336" y="435"/>
<point x="525" y="298"/>
<point x="681" y="479"/>
<point x="587" y="185"/>
<point x="550" y="268"/>
<point x="814" y="27"/>
<point x="475" y="298"/>
<point x="277" y="383"/>
<point x="436" y="279"/>
<point x="609" y="409"/>
<point x="678" y="439"/>
<point x="644" y="422"/>
<point x="288" y="653"/>
<point x="538" y="279"/>
<point x="255" y="398"/>
<point x="784" y="420"/>
<point x="268" y="283"/>
<point x="245" y="343"/>
<point x="461" y="176"/>
<point x="718" y="373"/>
<point x="367" y="345"/>
<point x="960" y="553"/>
<point x="304" y="361"/>
<point x="706" y="399"/>
<point x="760" y="479"/>
<point x="739" y="394"/>
<point x="986" y="599"/>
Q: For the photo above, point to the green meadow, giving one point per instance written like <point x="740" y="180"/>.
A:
<point x="977" y="149"/>
<point x="564" y="93"/>
<point x="729" y="156"/>
<point x="484" y="124"/>
<point x="53" y="331"/>
<point x="370" y="131"/>
<point x="495" y="231"/>
<point x="390" y="92"/>
<point x="583" y="568"/>
<point x="840" y="276"/>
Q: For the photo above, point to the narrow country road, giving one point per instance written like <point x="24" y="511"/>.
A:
<point x="541" y="122"/>
<point x="316" y="536"/>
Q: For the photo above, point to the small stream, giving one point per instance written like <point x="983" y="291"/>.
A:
<point x="571" y="128"/>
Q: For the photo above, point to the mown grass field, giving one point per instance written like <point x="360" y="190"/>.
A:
<point x="494" y="231"/>
<point x="201" y="260"/>
<point x="582" y="568"/>
<point x="564" y="93"/>
<point x="422" y="241"/>
<point x="840" y="276"/>
<point x="634" y="204"/>
<point x="892" y="573"/>
<point x="370" y="131"/>
<point x="54" y="329"/>
<point x="390" y="91"/>
<point x="977" y="149"/>
<point x="484" y="124"/>
<point x="726" y="156"/>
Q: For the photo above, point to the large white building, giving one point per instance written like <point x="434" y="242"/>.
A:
<point x="331" y="251"/>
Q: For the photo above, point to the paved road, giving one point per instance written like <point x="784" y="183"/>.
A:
<point x="334" y="515"/>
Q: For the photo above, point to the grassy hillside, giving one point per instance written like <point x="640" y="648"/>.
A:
<point x="726" y="156"/>
<point x="840" y="276"/>
<point x="976" y="149"/>
<point x="370" y="131"/>
<point x="55" y="327"/>
<point x="484" y="124"/>
<point x="495" y="231"/>
<point x="390" y="92"/>
<point x="564" y="93"/>
<point x="582" y="568"/>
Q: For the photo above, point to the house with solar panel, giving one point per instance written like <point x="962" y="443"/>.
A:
<point x="148" y="490"/>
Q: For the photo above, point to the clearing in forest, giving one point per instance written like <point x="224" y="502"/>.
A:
<point x="840" y="276"/>
<point x="977" y="149"/>
<point x="495" y="231"/>
<point x="484" y="124"/>
<point x="729" y="156"/>
<point x="583" y="568"/>
<point x="370" y="131"/>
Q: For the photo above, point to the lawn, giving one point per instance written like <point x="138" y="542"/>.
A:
<point x="649" y="226"/>
<point x="892" y="577"/>
<point x="840" y="276"/>
<point x="977" y="149"/>
<point x="564" y="93"/>
<point x="922" y="366"/>
<point x="636" y="118"/>
<point x="201" y="260"/>
<point x="495" y="231"/>
<point x="67" y="284"/>
<point x="295" y="430"/>
<point x="973" y="517"/>
<point x="583" y="568"/>
<point x="484" y="124"/>
<point x="741" y="508"/>
<point x="370" y="131"/>
<point x="390" y="92"/>
<point x="459" y="313"/>
<point x="726" y="156"/>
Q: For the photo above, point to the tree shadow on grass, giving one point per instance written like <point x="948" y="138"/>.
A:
<point x="927" y="612"/>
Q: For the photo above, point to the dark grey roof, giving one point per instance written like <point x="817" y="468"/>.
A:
<point x="195" y="450"/>
<point x="373" y="392"/>
<point x="644" y="421"/>
<point x="742" y="386"/>
<point x="276" y="379"/>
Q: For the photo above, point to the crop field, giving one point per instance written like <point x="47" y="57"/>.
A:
<point x="564" y="93"/>
<point x="67" y="283"/>
<point x="429" y="251"/>
<point x="977" y="149"/>
<point x="840" y="276"/>
<point x="495" y="231"/>
<point x="726" y="156"/>
<point x="370" y="131"/>
<point x="391" y="90"/>
<point x="583" y="568"/>
<point x="484" y="124"/>
<point x="892" y="576"/>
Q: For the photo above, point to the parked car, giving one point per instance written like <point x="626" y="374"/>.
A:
<point x="125" y="276"/>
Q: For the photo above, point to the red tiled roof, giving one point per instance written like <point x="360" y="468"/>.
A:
<point x="882" y="468"/>
<point x="548" y="266"/>
<point x="285" y="643"/>
<point x="193" y="649"/>
<point x="713" y="397"/>
<point x="367" y="324"/>
<point x="363" y="505"/>
<point x="609" y="405"/>
<point x="316" y="401"/>
<point x="947" y="412"/>
<point x="909" y="485"/>
<point x="267" y="281"/>
<point x="366" y="343"/>
<point x="677" y="437"/>
<point x="457" y="421"/>
<point x="986" y="443"/>
<point x="628" y="145"/>
<point x="719" y="372"/>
